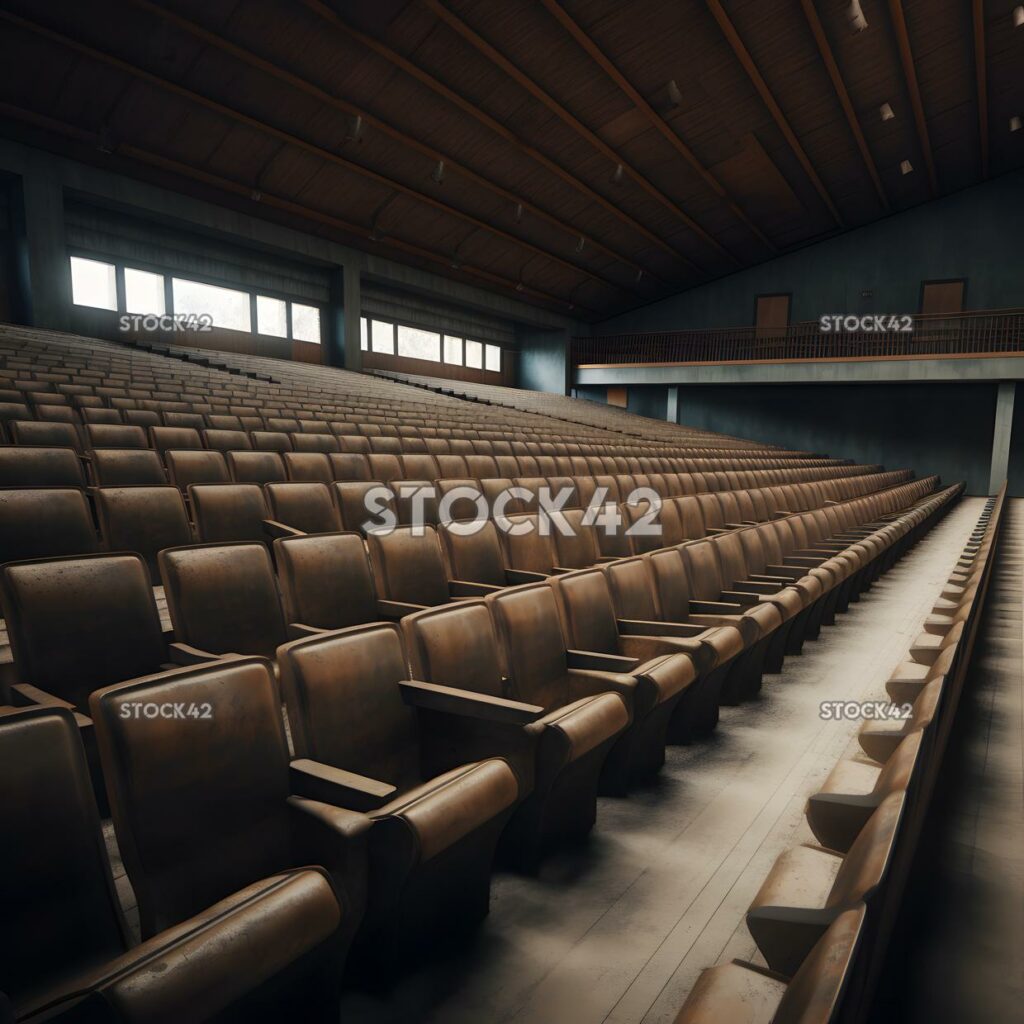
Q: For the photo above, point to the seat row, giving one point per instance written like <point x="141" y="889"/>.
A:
<point x="824" y="915"/>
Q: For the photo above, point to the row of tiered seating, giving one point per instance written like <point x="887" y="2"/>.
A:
<point x="824" y="915"/>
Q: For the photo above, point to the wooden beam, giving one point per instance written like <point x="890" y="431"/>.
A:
<point x="599" y="57"/>
<point x="377" y="124"/>
<point x="748" y="65"/>
<point x="282" y="136"/>
<point x="245" y="191"/>
<point x="910" y="74"/>
<point x="424" y="78"/>
<point x="981" y="78"/>
<point x="550" y="103"/>
<point x="810" y="12"/>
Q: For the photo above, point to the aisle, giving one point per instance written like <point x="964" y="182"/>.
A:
<point x="618" y="930"/>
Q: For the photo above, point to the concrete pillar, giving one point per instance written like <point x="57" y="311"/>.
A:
<point x="44" y="273"/>
<point x="544" y="360"/>
<point x="672" y="405"/>
<point x="1001" y="435"/>
<point x="346" y="309"/>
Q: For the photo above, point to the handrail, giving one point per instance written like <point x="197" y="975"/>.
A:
<point x="952" y="334"/>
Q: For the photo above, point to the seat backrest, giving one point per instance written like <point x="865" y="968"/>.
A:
<point x="256" y="467"/>
<point x="223" y="598"/>
<point x="303" y="506"/>
<point x="165" y="439"/>
<point x="629" y="581"/>
<point x="586" y="611"/>
<point x="60" y="908"/>
<point x="362" y="502"/>
<point x="270" y="441"/>
<point x="185" y="468"/>
<point x="344" y="705"/>
<point x="528" y="544"/>
<point x="703" y="569"/>
<point x="577" y="549"/>
<point x="865" y="864"/>
<point x="671" y="584"/>
<point x="65" y="652"/>
<point x="45" y="523"/>
<point x="40" y="467"/>
<point x="408" y="565"/>
<point x="455" y="646"/>
<point x="473" y="555"/>
<point x="228" y="512"/>
<point x="216" y="780"/>
<point x="532" y="644"/>
<point x="308" y="467"/>
<point x="227" y="440"/>
<point x="142" y="519"/>
<point x="45" y="434"/>
<point x="349" y="466"/>
<point x="116" y="468"/>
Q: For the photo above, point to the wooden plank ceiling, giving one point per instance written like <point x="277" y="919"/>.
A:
<point x="596" y="154"/>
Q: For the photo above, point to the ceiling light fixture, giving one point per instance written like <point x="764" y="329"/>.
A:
<point x="906" y="167"/>
<point x="519" y="212"/>
<point x="639" y="275"/>
<point x="438" y="172"/>
<point x="886" y="112"/>
<point x="580" y="244"/>
<point x="856" y="16"/>
<point x="1015" y="124"/>
<point x="355" y="132"/>
<point x="617" y="174"/>
<point x="1018" y="16"/>
<point x="674" y="95"/>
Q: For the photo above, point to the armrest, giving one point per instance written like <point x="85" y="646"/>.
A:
<point x="760" y="586"/>
<point x="781" y="513"/>
<point x="600" y="662"/>
<point x="183" y="654"/>
<point x="715" y="608"/>
<point x="25" y="695"/>
<point x="298" y="630"/>
<point x="714" y="531"/>
<point x="395" y="610"/>
<point x="330" y="785"/>
<point x="273" y="529"/>
<point x="788" y="572"/>
<point x="447" y="699"/>
<point x="779" y="581"/>
<point x="741" y="598"/>
<point x="809" y="562"/>
<point x="464" y="588"/>
<point x="643" y="627"/>
<point x="590" y="682"/>
<point x="518" y="576"/>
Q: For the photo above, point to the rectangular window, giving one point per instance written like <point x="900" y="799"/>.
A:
<point x="493" y="358"/>
<point x="93" y="283"/>
<point x="474" y="354"/>
<point x="364" y="334"/>
<point x="144" y="292"/>
<point x="417" y="344"/>
<point x="382" y="336"/>
<point x="271" y="316"/>
<point x="225" y="306"/>
<point x="305" y="323"/>
<point x="452" y="350"/>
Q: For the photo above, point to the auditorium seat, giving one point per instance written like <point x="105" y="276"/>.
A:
<point x="167" y="438"/>
<point x="437" y="807"/>
<point x="473" y="555"/>
<point x="809" y="886"/>
<point x="879" y="739"/>
<point x="40" y="467"/>
<point x="362" y="502"/>
<point x="66" y="951"/>
<point x="115" y="467"/>
<point x="142" y="519"/>
<point x="255" y="467"/>
<point x="45" y="523"/>
<point x="188" y="467"/>
<point x="229" y="512"/>
<point x="559" y="729"/>
<point x="304" y="507"/>
<point x="45" y="434"/>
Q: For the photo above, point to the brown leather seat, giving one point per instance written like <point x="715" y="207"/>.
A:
<point x="66" y="949"/>
<point x="362" y="502"/>
<point x="103" y="435"/>
<point x="114" y="467"/>
<point x="223" y="599"/>
<point x="40" y="467"/>
<point x="142" y="519"/>
<point x="45" y="523"/>
<point x="229" y="512"/>
<point x="473" y="555"/>
<point x="45" y="434"/>
<point x="569" y="719"/>
<point x="185" y="468"/>
<point x="744" y="993"/>
<point x="166" y="439"/>
<point x="257" y="467"/>
<point x="437" y="812"/>
<point x="226" y="440"/>
<point x="306" y="507"/>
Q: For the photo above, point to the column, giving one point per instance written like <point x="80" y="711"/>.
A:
<point x="672" y="405"/>
<point x="1001" y="434"/>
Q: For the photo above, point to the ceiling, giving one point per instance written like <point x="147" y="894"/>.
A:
<point x="597" y="154"/>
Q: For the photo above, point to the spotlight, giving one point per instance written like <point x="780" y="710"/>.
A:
<point x="519" y="212"/>
<point x="886" y="112"/>
<point x="355" y="132"/>
<point x="438" y="173"/>
<point x="856" y="16"/>
<point x="1018" y="16"/>
<point x="617" y="174"/>
<point x="906" y="167"/>
<point x="674" y="95"/>
<point x="639" y="275"/>
<point x="580" y="244"/>
<point x="1014" y="124"/>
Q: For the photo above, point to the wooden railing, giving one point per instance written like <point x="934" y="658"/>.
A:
<point x="937" y="335"/>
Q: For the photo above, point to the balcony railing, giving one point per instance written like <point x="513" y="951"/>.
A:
<point x="934" y="335"/>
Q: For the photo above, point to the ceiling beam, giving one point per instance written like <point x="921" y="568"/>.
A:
<point x="899" y="23"/>
<point x="560" y="14"/>
<point x="748" y="65"/>
<point x="245" y="191"/>
<point x="350" y="109"/>
<point x="424" y="78"/>
<point x="282" y="136"/>
<point x="811" y="13"/>
<point x="481" y="45"/>
<point x="981" y="78"/>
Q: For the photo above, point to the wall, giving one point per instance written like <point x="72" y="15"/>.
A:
<point x="544" y="360"/>
<point x="930" y="428"/>
<point x="974" y="234"/>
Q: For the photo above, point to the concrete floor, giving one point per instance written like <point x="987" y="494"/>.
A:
<point x="618" y="930"/>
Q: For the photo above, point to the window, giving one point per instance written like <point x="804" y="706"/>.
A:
<point x="382" y="336"/>
<point x="417" y="344"/>
<point x="144" y="292"/>
<point x="225" y="306"/>
<point x="493" y="358"/>
<point x="93" y="283"/>
<point x="452" y="350"/>
<point x="271" y="316"/>
<point x="364" y="334"/>
<point x="305" y="323"/>
<point x="474" y="354"/>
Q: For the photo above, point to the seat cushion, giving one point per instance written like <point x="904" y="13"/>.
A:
<point x="732" y="994"/>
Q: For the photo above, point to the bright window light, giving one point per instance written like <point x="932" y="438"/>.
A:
<point x="493" y="357"/>
<point x="382" y="336"/>
<point x="364" y="334"/>
<point x="271" y="316"/>
<point x="417" y="344"/>
<point x="305" y="323"/>
<point x="144" y="292"/>
<point x="224" y="306"/>
<point x="474" y="354"/>
<point x="452" y="350"/>
<point x="93" y="283"/>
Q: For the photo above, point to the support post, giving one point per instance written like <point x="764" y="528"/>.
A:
<point x="1001" y="434"/>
